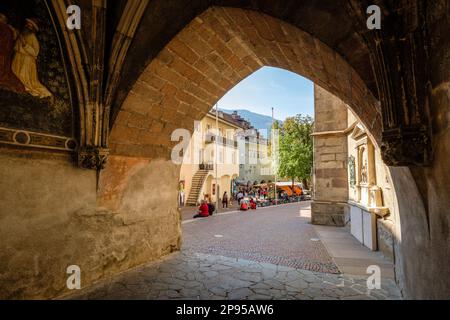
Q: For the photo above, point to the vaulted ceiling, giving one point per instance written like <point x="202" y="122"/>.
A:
<point x="330" y="21"/>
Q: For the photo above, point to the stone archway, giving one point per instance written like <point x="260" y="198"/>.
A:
<point x="129" y="216"/>
<point x="214" y="52"/>
<point x="208" y="57"/>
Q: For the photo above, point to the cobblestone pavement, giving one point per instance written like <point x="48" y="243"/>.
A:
<point x="276" y="235"/>
<point x="270" y="253"/>
<point x="201" y="276"/>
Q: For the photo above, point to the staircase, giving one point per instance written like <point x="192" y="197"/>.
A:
<point x="197" y="183"/>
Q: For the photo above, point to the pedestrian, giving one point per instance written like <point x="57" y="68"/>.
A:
<point x="203" y="210"/>
<point x="225" y="200"/>
<point x="240" y="196"/>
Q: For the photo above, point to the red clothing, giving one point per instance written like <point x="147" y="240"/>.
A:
<point x="8" y="80"/>
<point x="203" y="210"/>
<point x="253" y="205"/>
<point x="244" y="206"/>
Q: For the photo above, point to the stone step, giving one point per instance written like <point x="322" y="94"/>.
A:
<point x="197" y="183"/>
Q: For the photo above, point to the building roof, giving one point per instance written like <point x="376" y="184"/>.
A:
<point x="233" y="119"/>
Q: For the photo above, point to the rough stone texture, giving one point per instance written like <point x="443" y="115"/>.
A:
<point x="49" y="220"/>
<point x="330" y="160"/>
<point x="329" y="213"/>
<point x="207" y="58"/>
<point x="164" y="19"/>
<point x="190" y="276"/>
<point x="198" y="274"/>
<point x="385" y="238"/>
<point x="423" y="193"/>
<point x="174" y="90"/>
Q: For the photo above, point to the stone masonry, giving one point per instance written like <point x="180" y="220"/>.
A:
<point x="212" y="54"/>
<point x="330" y="160"/>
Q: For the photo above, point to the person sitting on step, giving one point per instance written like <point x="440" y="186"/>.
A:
<point x="203" y="210"/>
<point x="252" y="204"/>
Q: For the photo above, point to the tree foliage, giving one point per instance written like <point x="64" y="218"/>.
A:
<point x="296" y="148"/>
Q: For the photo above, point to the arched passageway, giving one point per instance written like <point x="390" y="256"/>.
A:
<point x="215" y="51"/>
<point x="178" y="65"/>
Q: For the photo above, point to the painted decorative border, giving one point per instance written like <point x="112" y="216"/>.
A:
<point x="37" y="140"/>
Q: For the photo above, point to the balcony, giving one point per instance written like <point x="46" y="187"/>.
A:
<point x="206" y="166"/>
<point x="211" y="138"/>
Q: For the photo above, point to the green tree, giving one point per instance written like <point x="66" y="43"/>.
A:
<point x="296" y="149"/>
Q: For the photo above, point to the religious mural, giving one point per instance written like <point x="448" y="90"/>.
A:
<point x="34" y="87"/>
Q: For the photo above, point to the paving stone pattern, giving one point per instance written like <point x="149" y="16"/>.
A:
<point x="266" y="260"/>
<point x="202" y="276"/>
<point x="276" y="235"/>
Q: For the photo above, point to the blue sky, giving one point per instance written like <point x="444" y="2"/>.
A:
<point x="269" y="87"/>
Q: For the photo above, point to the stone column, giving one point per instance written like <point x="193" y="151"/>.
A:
<point x="329" y="206"/>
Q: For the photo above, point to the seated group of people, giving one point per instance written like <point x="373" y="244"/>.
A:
<point x="244" y="207"/>
<point x="206" y="209"/>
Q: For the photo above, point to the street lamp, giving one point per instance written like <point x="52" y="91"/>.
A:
<point x="274" y="157"/>
<point x="216" y="155"/>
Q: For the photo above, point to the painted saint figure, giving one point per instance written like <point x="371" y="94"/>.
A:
<point x="24" y="63"/>
<point x="8" y="36"/>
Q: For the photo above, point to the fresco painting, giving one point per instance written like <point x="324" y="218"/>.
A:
<point x="32" y="72"/>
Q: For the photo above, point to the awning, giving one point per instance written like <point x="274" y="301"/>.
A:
<point x="298" y="191"/>
<point x="287" y="189"/>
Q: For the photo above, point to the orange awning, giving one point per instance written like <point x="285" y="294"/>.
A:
<point x="298" y="190"/>
<point x="287" y="189"/>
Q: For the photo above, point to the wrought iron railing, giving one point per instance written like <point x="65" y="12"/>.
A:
<point x="206" y="166"/>
<point x="211" y="138"/>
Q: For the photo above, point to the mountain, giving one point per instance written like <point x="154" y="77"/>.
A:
<point x="258" y="121"/>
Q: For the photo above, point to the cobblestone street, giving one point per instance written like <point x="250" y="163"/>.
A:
<point x="276" y="235"/>
<point x="270" y="253"/>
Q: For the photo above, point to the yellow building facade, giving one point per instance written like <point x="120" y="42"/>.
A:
<point x="211" y="161"/>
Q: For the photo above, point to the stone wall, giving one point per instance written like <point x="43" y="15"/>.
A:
<point x="49" y="219"/>
<point x="385" y="238"/>
<point x="423" y="193"/>
<point x="330" y="160"/>
<point x="52" y="215"/>
<point x="213" y="53"/>
<point x="386" y="232"/>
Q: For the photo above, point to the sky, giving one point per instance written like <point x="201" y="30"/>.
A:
<point x="287" y="92"/>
